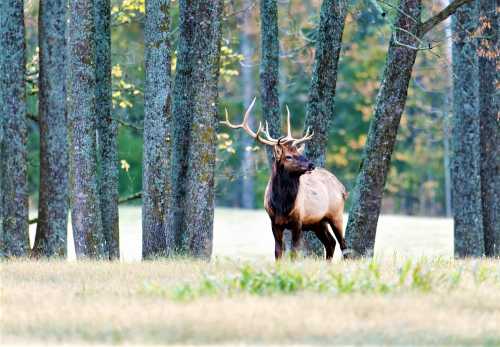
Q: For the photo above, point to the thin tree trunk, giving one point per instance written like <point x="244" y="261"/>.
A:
<point x="14" y="238"/>
<point x="157" y="118"/>
<point x="489" y="126"/>
<point x="195" y="112"/>
<point x="84" y="196"/>
<point x="52" y="226"/>
<point x="269" y="69"/>
<point x="247" y="157"/>
<point x="391" y="99"/>
<point x="465" y="165"/>
<point x="320" y="108"/>
<point x="107" y="129"/>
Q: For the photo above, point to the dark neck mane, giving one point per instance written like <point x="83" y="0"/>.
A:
<point x="284" y="189"/>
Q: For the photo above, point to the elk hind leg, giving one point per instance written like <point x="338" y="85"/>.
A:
<point x="322" y="233"/>
<point x="338" y="231"/>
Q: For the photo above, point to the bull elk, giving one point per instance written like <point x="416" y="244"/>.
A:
<point x="298" y="197"/>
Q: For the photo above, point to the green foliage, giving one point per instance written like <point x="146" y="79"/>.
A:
<point x="371" y="277"/>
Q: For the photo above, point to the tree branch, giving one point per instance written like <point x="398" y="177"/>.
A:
<point x="130" y="198"/>
<point x="441" y="16"/>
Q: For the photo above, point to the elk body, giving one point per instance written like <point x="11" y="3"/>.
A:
<point x="299" y="197"/>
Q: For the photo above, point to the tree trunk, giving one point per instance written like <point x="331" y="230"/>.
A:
<point x="247" y="157"/>
<point x="390" y="103"/>
<point x="195" y="118"/>
<point x="107" y="129"/>
<point x="269" y="69"/>
<point x="320" y="109"/>
<point x="465" y="165"/>
<point x="157" y="118"/>
<point x="14" y="239"/>
<point x="489" y="127"/>
<point x="52" y="225"/>
<point x="84" y="196"/>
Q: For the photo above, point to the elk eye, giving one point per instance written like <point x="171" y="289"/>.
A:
<point x="288" y="157"/>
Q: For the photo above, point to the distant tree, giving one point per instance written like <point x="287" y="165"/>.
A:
<point x="14" y="240"/>
<point x="157" y="119"/>
<point x="320" y="108"/>
<point x="52" y="224"/>
<point x="405" y="42"/>
<point x="465" y="159"/>
<point x="269" y="68"/>
<point x="247" y="199"/>
<point x="489" y="125"/>
<point x="82" y="118"/>
<point x="107" y="129"/>
<point x="195" y="115"/>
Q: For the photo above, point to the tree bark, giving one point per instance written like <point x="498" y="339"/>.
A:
<point x="52" y="226"/>
<point x="14" y="238"/>
<point x="269" y="69"/>
<point x="390" y="103"/>
<point x="195" y="118"/>
<point x="157" y="119"/>
<point x="107" y="129"/>
<point x="489" y="127"/>
<point x="465" y="165"/>
<point x="84" y="195"/>
<point x="321" y="105"/>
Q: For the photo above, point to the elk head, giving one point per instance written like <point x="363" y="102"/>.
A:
<point x="287" y="150"/>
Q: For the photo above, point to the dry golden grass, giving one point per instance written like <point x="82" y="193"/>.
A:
<point x="50" y="302"/>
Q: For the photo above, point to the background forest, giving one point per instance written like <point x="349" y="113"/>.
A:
<point x="418" y="183"/>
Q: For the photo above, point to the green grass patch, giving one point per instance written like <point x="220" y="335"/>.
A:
<point x="368" y="277"/>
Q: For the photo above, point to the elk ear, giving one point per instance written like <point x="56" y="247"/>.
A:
<point x="278" y="151"/>
<point x="300" y="149"/>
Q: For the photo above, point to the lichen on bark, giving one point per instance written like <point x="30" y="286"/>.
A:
<point x="194" y="135"/>
<point x="157" y="119"/>
<point x="269" y="69"/>
<point x="52" y="224"/>
<point x="488" y="51"/>
<point x="466" y="156"/>
<point x="82" y="127"/>
<point x="14" y="238"/>
<point x="321" y="104"/>
<point x="389" y="106"/>
<point x="107" y="129"/>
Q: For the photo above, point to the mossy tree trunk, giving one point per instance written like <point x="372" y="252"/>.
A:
<point x="269" y="69"/>
<point x="390" y="103"/>
<point x="157" y="119"/>
<point x="195" y="118"/>
<point x="465" y="160"/>
<point x="489" y="126"/>
<point x="14" y="240"/>
<point x="52" y="225"/>
<point x="321" y="105"/>
<point x="82" y="118"/>
<point x="107" y="129"/>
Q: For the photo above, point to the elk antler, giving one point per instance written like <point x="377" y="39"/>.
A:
<point x="268" y="140"/>
<point x="245" y="126"/>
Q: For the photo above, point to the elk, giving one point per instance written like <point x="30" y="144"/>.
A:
<point x="298" y="197"/>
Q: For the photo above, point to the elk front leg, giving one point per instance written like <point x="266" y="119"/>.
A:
<point x="278" y="241"/>
<point x="296" y="230"/>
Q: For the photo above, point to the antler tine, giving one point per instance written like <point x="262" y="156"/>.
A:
<point x="305" y="138"/>
<point x="289" y="126"/>
<point x="246" y="127"/>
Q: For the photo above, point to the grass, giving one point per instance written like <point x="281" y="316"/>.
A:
<point x="243" y="297"/>
<point x="410" y="301"/>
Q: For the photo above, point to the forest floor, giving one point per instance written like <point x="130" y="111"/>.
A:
<point x="413" y="293"/>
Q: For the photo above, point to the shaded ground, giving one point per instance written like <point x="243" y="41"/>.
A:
<point x="247" y="235"/>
